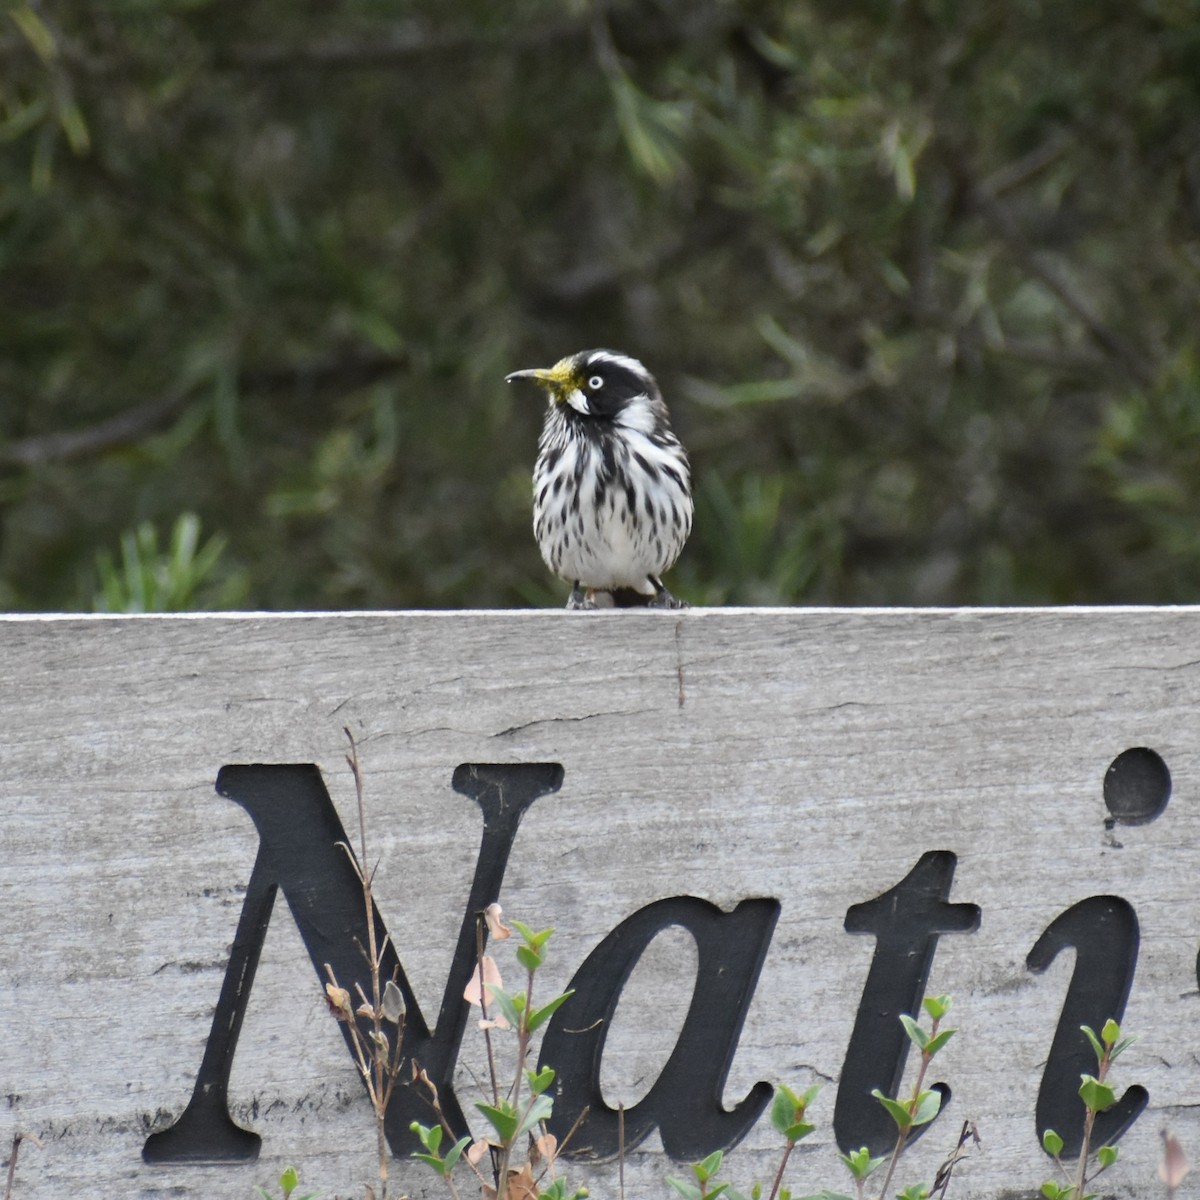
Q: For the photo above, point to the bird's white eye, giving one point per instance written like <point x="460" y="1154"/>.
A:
<point x="595" y="383"/>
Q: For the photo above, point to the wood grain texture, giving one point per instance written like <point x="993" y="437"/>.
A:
<point x="808" y="755"/>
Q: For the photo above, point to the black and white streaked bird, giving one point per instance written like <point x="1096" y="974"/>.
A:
<point x="612" y="488"/>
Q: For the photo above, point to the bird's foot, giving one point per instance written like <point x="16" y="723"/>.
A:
<point x="665" y="600"/>
<point x="662" y="598"/>
<point x="579" y="600"/>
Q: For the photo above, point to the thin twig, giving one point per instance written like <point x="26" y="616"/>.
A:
<point x="1089" y="1122"/>
<point x="783" y="1162"/>
<point x="514" y="1092"/>
<point x="621" y="1150"/>
<point x="382" y="1068"/>
<point x="480" y="943"/>
<point x="422" y="1076"/>
<point x="12" y="1165"/>
<point x="941" y="1180"/>
<point x="18" y="1138"/>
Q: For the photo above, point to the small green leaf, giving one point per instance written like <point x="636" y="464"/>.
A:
<point x="916" y="1034"/>
<point x="936" y="1006"/>
<point x="539" y="1081"/>
<point x="794" y="1133"/>
<point x="784" y="1108"/>
<point x="433" y="1161"/>
<point x="1120" y="1048"/>
<point x="1091" y="1037"/>
<point x="860" y="1164"/>
<point x="1107" y="1156"/>
<point x="454" y="1153"/>
<point x="529" y="958"/>
<point x="1111" y="1032"/>
<point x="685" y="1187"/>
<point x="557" y="1190"/>
<point x="706" y="1168"/>
<point x="537" y="1112"/>
<point x="856" y="1159"/>
<point x="898" y="1112"/>
<point x="929" y="1104"/>
<point x="289" y="1181"/>
<point x="507" y="1005"/>
<point x="430" y="1135"/>
<point x="534" y="940"/>
<point x="502" y="996"/>
<point x="1052" y="1143"/>
<point x="543" y="1014"/>
<point x="916" y="1191"/>
<point x="1052" y="1190"/>
<point x="1096" y="1095"/>
<point x="936" y="1043"/>
<point x="503" y="1118"/>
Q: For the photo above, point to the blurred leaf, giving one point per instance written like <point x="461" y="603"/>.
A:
<point x="74" y="126"/>
<point x="21" y="119"/>
<point x="35" y="31"/>
<point x="653" y="129"/>
<point x="183" y="576"/>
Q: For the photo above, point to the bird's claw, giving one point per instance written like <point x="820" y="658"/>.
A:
<point x="664" y="599"/>
<point x="579" y="601"/>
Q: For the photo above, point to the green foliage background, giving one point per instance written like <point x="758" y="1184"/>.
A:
<point x="920" y="281"/>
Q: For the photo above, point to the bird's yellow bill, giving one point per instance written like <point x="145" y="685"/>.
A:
<point x="559" y="378"/>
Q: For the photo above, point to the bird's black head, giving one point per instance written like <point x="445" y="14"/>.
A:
<point x="600" y="384"/>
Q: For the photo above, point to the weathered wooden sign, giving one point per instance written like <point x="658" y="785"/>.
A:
<point x="761" y="836"/>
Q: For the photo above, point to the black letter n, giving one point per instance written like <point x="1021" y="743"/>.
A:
<point x="300" y="850"/>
